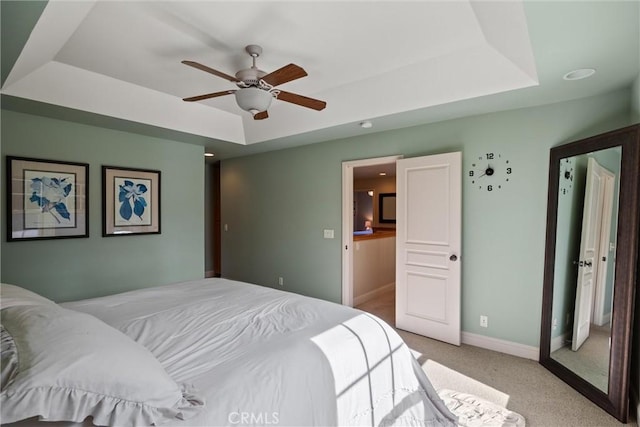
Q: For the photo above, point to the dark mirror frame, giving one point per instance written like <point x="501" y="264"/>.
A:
<point x="616" y="401"/>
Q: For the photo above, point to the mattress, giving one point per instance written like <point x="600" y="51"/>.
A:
<point x="260" y="356"/>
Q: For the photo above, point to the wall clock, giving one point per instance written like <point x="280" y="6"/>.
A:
<point x="490" y="172"/>
<point x="566" y="175"/>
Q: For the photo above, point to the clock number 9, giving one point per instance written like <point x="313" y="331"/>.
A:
<point x="470" y="173"/>
<point x="489" y="187"/>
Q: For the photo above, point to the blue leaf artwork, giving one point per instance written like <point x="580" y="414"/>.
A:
<point x="50" y="195"/>
<point x="131" y="199"/>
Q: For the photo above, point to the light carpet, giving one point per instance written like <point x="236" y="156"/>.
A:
<point x="542" y="398"/>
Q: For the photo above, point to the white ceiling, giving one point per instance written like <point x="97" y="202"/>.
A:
<point x="397" y="63"/>
<point x="373" y="172"/>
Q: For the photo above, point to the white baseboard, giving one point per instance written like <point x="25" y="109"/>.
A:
<point x="558" y="342"/>
<point x="502" y="346"/>
<point x="372" y="294"/>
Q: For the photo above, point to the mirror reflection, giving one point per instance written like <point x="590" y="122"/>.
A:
<point x="587" y="218"/>
<point x="362" y="211"/>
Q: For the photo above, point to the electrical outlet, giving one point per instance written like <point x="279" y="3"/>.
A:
<point x="280" y="281"/>
<point x="484" y="321"/>
<point x="554" y="325"/>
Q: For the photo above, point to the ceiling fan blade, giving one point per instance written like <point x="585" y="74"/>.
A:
<point x="304" y="101"/>
<point x="210" y="70"/>
<point x="285" y="74"/>
<point x="208" y="95"/>
<point x="261" y="115"/>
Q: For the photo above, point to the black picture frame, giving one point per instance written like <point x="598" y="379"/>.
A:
<point x="46" y="199"/>
<point x="387" y="208"/>
<point x="130" y="201"/>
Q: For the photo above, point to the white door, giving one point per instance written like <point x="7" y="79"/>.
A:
<point x="428" y="230"/>
<point x="589" y="252"/>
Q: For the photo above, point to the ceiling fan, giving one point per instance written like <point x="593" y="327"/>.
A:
<point x="256" y="88"/>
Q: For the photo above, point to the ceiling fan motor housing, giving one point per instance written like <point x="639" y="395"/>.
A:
<point x="250" y="76"/>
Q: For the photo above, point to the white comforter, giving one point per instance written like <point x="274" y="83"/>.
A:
<point x="260" y="356"/>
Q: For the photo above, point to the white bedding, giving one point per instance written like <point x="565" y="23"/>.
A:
<point x="259" y="356"/>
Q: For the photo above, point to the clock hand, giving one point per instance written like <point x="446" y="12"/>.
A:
<point x="488" y="171"/>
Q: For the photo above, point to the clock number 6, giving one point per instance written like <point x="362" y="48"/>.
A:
<point x="489" y="187"/>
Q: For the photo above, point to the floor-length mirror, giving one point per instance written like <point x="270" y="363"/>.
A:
<point x="591" y="254"/>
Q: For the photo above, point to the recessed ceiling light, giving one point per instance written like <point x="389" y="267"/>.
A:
<point x="366" y="124"/>
<point x="579" y="74"/>
<point x="382" y="173"/>
<point x="209" y="154"/>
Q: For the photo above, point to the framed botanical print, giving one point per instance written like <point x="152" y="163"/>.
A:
<point x="131" y="201"/>
<point x="46" y="199"/>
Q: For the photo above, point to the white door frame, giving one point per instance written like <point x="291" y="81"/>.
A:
<point x="347" y="220"/>
<point x="600" y="288"/>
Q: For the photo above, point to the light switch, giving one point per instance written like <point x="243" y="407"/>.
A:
<point x="328" y="234"/>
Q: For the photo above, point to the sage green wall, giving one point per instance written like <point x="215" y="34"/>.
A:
<point x="70" y="269"/>
<point x="277" y="204"/>
<point x="568" y="236"/>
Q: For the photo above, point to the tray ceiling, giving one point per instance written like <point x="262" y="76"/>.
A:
<point x="395" y="63"/>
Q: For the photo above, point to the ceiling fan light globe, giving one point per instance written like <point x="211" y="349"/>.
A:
<point x="253" y="100"/>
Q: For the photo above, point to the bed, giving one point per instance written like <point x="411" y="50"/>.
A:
<point x="207" y="353"/>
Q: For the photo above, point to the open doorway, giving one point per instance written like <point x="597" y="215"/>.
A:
<point x="369" y="261"/>
<point x="429" y="219"/>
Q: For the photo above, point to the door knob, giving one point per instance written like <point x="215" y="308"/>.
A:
<point x="453" y="258"/>
<point x="583" y="263"/>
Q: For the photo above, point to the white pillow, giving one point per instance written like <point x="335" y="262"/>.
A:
<point x="72" y="366"/>
<point x="11" y="296"/>
<point x="473" y="411"/>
